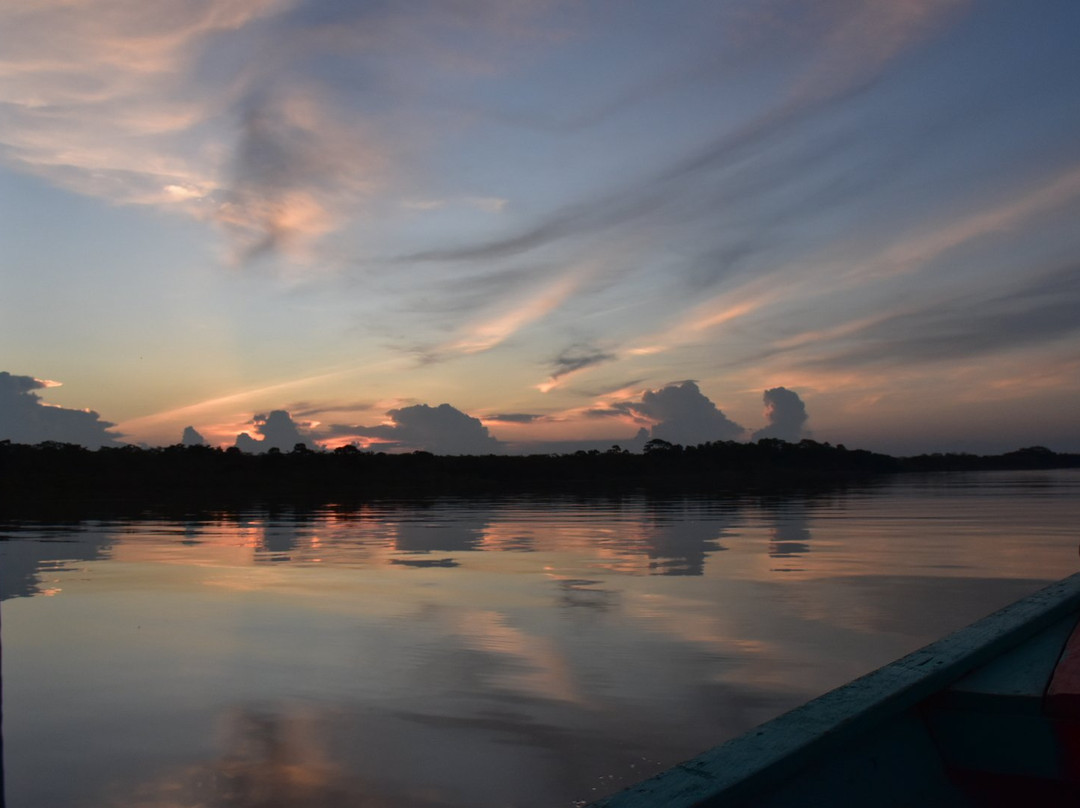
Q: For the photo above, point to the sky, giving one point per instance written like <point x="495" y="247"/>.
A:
<point x="534" y="225"/>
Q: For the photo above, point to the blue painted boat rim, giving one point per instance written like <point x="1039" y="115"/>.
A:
<point x="777" y="750"/>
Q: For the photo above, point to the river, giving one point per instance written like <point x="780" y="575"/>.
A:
<point x="504" y="652"/>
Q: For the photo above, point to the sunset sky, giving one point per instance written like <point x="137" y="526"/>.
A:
<point x="548" y="215"/>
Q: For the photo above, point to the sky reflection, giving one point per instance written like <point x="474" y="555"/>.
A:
<point x="463" y="653"/>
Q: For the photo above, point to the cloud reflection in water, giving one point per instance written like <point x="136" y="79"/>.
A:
<point x="469" y="653"/>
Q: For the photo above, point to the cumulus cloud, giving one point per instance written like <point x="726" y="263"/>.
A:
<point x="441" y="430"/>
<point x="192" y="437"/>
<point x="681" y="413"/>
<point x="25" y="418"/>
<point x="786" y="414"/>
<point x="277" y="431"/>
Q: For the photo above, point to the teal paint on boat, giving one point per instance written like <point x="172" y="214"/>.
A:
<point x="959" y="722"/>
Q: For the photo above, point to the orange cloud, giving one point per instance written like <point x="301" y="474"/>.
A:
<point x="721" y="310"/>
<point x="486" y="334"/>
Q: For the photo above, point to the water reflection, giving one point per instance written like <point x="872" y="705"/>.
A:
<point x="29" y="566"/>
<point x="585" y="593"/>
<point x="465" y="653"/>
<point x="269" y="760"/>
<point x="425" y="563"/>
<point x="677" y="544"/>
<point x="640" y="537"/>
<point x="790" y="535"/>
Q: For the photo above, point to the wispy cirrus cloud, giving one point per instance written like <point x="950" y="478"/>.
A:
<point x="723" y="211"/>
<point x="95" y="96"/>
<point x="572" y="361"/>
<point x="512" y="418"/>
<point x="864" y="36"/>
<point x="1036" y="310"/>
<point x="233" y="112"/>
<point x="703" y="320"/>
<point x="487" y="332"/>
<point x="488" y="204"/>
<point x="855" y="41"/>
<point x="913" y="253"/>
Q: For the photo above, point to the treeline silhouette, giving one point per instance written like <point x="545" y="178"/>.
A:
<point x="50" y="474"/>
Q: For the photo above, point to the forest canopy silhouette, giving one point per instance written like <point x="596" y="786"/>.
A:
<point x="49" y="473"/>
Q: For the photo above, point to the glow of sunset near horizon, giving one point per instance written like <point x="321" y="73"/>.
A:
<point x="541" y="213"/>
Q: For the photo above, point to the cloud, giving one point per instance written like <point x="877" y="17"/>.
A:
<point x="493" y="330"/>
<point x="1037" y="310"/>
<point x="271" y="118"/>
<point x="913" y="253"/>
<point x="440" y="430"/>
<point x="25" y="418"/>
<point x="681" y="413"/>
<point x="620" y="391"/>
<point x="95" y="98"/>
<point x="573" y="360"/>
<point x="786" y="414"/>
<point x="486" y="204"/>
<point x="294" y="167"/>
<point x="171" y="418"/>
<point x="610" y="411"/>
<point x="702" y="320"/>
<point x="278" y="431"/>
<point x="852" y="44"/>
<point x="307" y="409"/>
<point x="513" y="417"/>
<point x="192" y="437"/>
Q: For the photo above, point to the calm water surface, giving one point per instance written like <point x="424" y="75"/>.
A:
<point x="511" y="652"/>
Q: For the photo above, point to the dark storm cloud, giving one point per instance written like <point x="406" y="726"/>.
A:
<point x="24" y="418"/>
<point x="440" y="430"/>
<point x="1034" y="312"/>
<point x="277" y="430"/>
<point x="786" y="414"/>
<point x="683" y="414"/>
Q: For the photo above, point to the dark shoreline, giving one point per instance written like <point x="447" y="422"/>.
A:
<point x="54" y="478"/>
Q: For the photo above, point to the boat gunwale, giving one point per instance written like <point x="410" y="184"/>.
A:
<point x="779" y="749"/>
